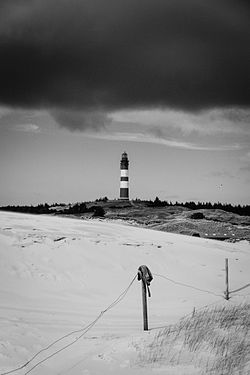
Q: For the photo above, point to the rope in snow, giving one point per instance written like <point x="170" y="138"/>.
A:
<point x="84" y="330"/>
<point x="186" y="285"/>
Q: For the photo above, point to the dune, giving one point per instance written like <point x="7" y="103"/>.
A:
<point x="57" y="275"/>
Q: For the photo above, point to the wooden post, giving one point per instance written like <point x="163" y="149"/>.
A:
<point x="145" y="275"/>
<point x="227" y="288"/>
<point x="144" y="305"/>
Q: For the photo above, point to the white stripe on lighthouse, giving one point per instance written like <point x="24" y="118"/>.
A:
<point x="124" y="184"/>
<point x="124" y="172"/>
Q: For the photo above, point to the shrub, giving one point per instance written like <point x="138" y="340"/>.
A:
<point x="197" y="216"/>
<point x="98" y="211"/>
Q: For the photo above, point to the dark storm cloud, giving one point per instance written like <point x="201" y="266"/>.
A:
<point x="113" y="54"/>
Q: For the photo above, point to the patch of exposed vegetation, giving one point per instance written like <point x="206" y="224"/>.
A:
<point x="208" y="223"/>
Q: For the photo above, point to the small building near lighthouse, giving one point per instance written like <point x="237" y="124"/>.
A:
<point x="124" y="179"/>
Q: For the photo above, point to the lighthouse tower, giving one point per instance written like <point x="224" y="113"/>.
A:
<point x="124" y="185"/>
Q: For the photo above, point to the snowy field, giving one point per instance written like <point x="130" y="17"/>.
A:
<point x="58" y="274"/>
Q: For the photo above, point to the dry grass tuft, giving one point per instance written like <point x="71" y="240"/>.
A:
<point x="214" y="341"/>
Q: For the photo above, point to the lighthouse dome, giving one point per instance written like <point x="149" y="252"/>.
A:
<point x="124" y="161"/>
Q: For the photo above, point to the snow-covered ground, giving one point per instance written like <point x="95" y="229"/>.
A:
<point x="58" y="274"/>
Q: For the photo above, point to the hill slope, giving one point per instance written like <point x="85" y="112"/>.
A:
<point x="215" y="223"/>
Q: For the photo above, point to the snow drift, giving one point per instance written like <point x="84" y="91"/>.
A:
<point x="57" y="275"/>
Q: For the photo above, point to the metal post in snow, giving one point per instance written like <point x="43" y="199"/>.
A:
<point x="227" y="287"/>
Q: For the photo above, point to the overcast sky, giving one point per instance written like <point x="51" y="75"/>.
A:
<point x="84" y="80"/>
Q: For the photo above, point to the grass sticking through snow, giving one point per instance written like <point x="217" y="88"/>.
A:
<point x="214" y="341"/>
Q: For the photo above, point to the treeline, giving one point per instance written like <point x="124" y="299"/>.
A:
<point x="39" y="209"/>
<point x="71" y="209"/>
<point x="98" y="210"/>
<point x="237" y="209"/>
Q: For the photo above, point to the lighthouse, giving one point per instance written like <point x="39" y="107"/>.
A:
<point x="124" y="184"/>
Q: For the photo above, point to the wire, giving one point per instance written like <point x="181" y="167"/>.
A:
<point x="84" y="329"/>
<point x="187" y="285"/>
<point x="186" y="316"/>
<point x="66" y="346"/>
<point x="201" y="308"/>
<point x="201" y="290"/>
<point x="238" y="290"/>
<point x="44" y="349"/>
